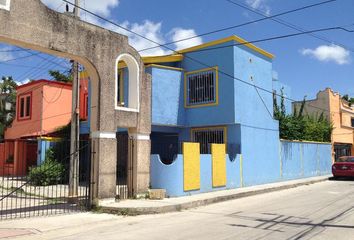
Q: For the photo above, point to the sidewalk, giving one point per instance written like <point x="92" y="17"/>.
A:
<point x="146" y="206"/>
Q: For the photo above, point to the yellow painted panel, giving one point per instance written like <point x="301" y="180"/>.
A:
<point x="191" y="166"/>
<point x="218" y="164"/>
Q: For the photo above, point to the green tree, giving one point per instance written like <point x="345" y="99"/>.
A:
<point x="58" y="76"/>
<point x="7" y="97"/>
<point x="350" y="100"/>
<point x="302" y="127"/>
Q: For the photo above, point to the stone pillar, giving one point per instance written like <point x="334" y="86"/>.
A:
<point x="104" y="161"/>
<point x="139" y="148"/>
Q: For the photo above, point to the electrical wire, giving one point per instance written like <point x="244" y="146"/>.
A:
<point x="195" y="60"/>
<point x="245" y="24"/>
<point x="30" y="73"/>
<point x="274" y="38"/>
<point x="18" y="58"/>
<point x="290" y="25"/>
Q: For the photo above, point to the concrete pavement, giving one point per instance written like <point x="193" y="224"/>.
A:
<point x="319" y="211"/>
<point x="146" y="206"/>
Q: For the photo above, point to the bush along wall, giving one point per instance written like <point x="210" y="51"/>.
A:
<point x="297" y="126"/>
<point x="51" y="172"/>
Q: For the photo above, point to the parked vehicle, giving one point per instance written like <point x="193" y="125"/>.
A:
<point x="343" y="167"/>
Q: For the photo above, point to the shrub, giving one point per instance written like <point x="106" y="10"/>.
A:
<point x="49" y="173"/>
<point x="298" y="126"/>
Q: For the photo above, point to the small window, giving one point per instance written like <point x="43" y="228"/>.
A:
<point x="352" y="122"/>
<point x="120" y="89"/>
<point x="25" y="107"/>
<point x="201" y="87"/>
<point x="208" y="136"/>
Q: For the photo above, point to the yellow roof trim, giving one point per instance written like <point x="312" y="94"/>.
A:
<point x="162" y="59"/>
<point x="228" y="39"/>
<point x="49" y="138"/>
<point x="165" y="67"/>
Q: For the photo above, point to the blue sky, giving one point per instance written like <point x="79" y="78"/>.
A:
<point x="304" y="63"/>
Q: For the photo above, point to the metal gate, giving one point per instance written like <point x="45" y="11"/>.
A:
<point x="124" y="166"/>
<point x="34" y="178"/>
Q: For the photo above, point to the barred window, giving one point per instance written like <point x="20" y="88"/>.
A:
<point x="208" y="136"/>
<point x="201" y="87"/>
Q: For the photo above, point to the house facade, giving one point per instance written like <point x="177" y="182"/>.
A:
<point x="217" y="102"/>
<point x="340" y="113"/>
<point x="43" y="107"/>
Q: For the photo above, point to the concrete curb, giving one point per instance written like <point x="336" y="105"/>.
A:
<point x="134" y="211"/>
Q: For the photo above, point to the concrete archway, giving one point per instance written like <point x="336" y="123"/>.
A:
<point x="30" y="24"/>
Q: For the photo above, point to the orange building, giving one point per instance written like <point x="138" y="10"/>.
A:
<point x="340" y="113"/>
<point x="42" y="107"/>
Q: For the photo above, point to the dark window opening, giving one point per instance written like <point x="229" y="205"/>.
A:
<point x="28" y="106"/>
<point x="22" y="107"/>
<point x="166" y="145"/>
<point x="201" y="87"/>
<point x="205" y="137"/>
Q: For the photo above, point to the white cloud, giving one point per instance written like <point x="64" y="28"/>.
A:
<point x="259" y="5"/>
<point x="19" y="83"/>
<point x="102" y="7"/>
<point x="6" y="54"/>
<point x="152" y="31"/>
<point x="149" y="29"/>
<point x="178" y="34"/>
<point x="327" y="53"/>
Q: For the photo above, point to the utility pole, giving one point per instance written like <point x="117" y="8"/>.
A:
<point x="75" y="127"/>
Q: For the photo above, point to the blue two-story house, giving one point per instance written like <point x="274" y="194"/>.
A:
<point x="217" y="92"/>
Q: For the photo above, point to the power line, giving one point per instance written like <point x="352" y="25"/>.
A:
<point x="36" y="87"/>
<point x="43" y="64"/>
<point x="35" y="75"/>
<point x="18" y="58"/>
<point x="195" y="60"/>
<point x="275" y="38"/>
<point x="290" y="25"/>
<point x="244" y="24"/>
<point x="22" y="66"/>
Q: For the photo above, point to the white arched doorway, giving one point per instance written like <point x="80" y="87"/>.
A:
<point x="132" y="75"/>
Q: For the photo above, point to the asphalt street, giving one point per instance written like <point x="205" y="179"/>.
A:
<point x="319" y="211"/>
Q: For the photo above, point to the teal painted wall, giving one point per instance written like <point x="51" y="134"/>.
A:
<point x="170" y="177"/>
<point x="167" y="97"/>
<point x="223" y="113"/>
<point x="299" y="160"/>
<point x="295" y="160"/>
